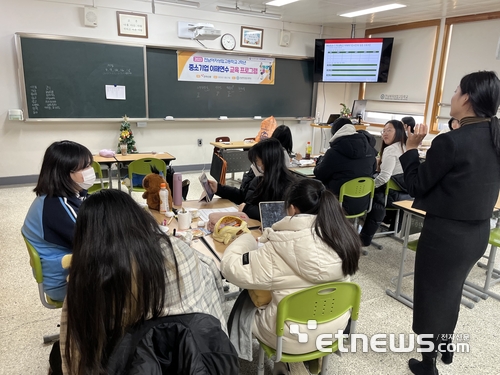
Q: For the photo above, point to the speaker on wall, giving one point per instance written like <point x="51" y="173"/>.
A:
<point x="90" y="16"/>
<point x="285" y="38"/>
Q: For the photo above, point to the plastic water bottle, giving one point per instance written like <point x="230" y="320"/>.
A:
<point x="308" y="150"/>
<point x="177" y="189"/>
<point x="164" y="198"/>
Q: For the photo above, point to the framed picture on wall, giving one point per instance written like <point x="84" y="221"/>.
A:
<point x="251" y="37"/>
<point x="132" y="24"/>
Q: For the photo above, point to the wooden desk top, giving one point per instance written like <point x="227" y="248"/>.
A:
<point x="306" y="171"/>
<point x="199" y="244"/>
<point x="132" y="157"/>
<point x="233" y="144"/>
<point x="406" y="205"/>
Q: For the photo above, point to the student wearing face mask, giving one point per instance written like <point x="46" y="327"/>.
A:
<point x="271" y="180"/>
<point x="62" y="185"/>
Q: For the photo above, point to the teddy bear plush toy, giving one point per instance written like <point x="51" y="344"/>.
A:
<point x="152" y="184"/>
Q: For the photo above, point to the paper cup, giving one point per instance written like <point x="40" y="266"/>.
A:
<point x="184" y="219"/>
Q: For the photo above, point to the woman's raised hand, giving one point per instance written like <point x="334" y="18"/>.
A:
<point x="415" y="138"/>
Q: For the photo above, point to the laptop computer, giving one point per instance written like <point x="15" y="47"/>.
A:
<point x="271" y="212"/>
<point x="332" y="118"/>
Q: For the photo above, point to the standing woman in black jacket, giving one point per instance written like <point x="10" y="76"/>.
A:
<point x="457" y="186"/>
<point x="268" y="159"/>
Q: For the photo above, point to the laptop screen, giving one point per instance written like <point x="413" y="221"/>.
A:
<point x="332" y="118"/>
<point x="271" y="212"/>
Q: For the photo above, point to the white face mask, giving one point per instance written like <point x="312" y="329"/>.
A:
<point x="88" y="178"/>
<point x="256" y="170"/>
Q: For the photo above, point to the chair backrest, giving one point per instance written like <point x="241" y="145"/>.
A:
<point x="99" y="184"/>
<point x="391" y="185"/>
<point x="322" y="303"/>
<point x="36" y="266"/>
<point x="143" y="167"/>
<point x="358" y="188"/>
<point x="222" y="139"/>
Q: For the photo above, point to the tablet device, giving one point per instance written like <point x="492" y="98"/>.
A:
<point x="271" y="212"/>
<point x="207" y="193"/>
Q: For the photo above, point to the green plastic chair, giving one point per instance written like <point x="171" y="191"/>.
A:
<point x="99" y="184"/>
<point x="322" y="303"/>
<point x="36" y="266"/>
<point x="358" y="188"/>
<point x="143" y="167"/>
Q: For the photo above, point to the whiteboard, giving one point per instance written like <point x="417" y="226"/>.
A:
<point x="473" y="47"/>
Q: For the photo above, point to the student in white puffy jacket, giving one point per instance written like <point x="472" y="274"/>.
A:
<point x="314" y="245"/>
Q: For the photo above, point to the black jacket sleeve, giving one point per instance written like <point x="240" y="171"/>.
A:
<point x="232" y="193"/>
<point x="324" y="169"/>
<point x="420" y="178"/>
<point x="252" y="208"/>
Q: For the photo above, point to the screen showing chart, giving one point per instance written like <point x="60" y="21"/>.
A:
<point x="352" y="60"/>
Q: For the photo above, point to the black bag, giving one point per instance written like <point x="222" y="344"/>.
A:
<point x="399" y="179"/>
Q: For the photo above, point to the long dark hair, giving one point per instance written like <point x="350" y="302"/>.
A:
<point x="400" y="135"/>
<point x="60" y="159"/>
<point x="283" y="134"/>
<point x="410" y="122"/>
<point x="331" y="225"/>
<point x="117" y="277"/>
<point x="277" y="177"/>
<point x="483" y="89"/>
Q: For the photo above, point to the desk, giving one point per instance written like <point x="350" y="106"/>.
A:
<point x="409" y="211"/>
<point x="234" y="153"/>
<point x="303" y="171"/>
<point x="207" y="246"/>
<point x="165" y="156"/>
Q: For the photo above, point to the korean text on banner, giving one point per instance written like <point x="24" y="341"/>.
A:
<point x="210" y="67"/>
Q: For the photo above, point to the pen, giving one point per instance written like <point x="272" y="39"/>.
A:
<point x="172" y="218"/>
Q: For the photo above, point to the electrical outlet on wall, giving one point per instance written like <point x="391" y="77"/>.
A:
<point x="200" y="142"/>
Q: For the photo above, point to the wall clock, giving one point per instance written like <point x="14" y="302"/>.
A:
<point x="228" y="41"/>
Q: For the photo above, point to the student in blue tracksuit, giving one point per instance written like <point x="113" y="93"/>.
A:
<point x="65" y="176"/>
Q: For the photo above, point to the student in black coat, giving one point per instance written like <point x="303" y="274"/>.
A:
<point x="457" y="186"/>
<point x="274" y="178"/>
<point x="351" y="155"/>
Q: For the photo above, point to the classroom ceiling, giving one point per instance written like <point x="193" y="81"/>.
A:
<point x="325" y="12"/>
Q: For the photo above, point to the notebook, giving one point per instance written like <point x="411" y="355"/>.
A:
<point x="271" y="212"/>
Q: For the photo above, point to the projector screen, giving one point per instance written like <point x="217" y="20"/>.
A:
<point x="352" y="60"/>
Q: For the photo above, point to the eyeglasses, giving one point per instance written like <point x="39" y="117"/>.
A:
<point x="386" y="131"/>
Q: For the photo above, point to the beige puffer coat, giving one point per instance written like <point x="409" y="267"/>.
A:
<point x="292" y="258"/>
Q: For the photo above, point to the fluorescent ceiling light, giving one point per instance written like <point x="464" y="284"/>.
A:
<point x="251" y="13"/>
<point x="279" y="3"/>
<point x="372" y="10"/>
<point x="182" y="3"/>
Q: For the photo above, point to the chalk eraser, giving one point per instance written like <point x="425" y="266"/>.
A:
<point x="257" y="117"/>
<point x="169" y="118"/>
<point x="223" y="118"/>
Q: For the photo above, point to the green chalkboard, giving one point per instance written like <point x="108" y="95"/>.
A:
<point x="290" y="96"/>
<point x="67" y="78"/>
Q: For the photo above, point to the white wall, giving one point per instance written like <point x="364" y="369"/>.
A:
<point x="22" y="144"/>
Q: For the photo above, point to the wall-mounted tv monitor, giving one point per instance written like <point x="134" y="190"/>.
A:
<point x="352" y="60"/>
